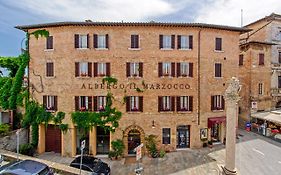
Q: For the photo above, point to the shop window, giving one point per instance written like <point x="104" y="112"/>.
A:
<point x="166" y="136"/>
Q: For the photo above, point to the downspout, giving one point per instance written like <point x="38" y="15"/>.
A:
<point x="198" y="76"/>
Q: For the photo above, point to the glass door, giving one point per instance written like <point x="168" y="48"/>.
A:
<point x="103" y="141"/>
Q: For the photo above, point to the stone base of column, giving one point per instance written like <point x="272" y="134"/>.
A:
<point x="228" y="172"/>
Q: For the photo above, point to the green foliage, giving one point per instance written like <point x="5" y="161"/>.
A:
<point x="63" y="127"/>
<point x="5" y="94"/>
<point x="162" y="153"/>
<point x="40" y="33"/>
<point x="12" y="64"/>
<point x="150" y="144"/>
<point x="34" y="134"/>
<point x="27" y="149"/>
<point x="4" y="129"/>
<point x="117" y="149"/>
<point x="139" y="90"/>
<point x="109" y="80"/>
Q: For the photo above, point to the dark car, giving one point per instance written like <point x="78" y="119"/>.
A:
<point x="91" y="164"/>
<point x="26" y="167"/>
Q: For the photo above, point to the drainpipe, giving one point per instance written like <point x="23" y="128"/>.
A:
<point x="198" y="75"/>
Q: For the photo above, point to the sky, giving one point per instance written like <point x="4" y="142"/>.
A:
<point x="223" y="12"/>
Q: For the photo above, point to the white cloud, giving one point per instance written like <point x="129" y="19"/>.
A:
<point x="228" y="12"/>
<point x="100" y="10"/>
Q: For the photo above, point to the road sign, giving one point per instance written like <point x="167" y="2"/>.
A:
<point x="83" y="143"/>
<point x="138" y="152"/>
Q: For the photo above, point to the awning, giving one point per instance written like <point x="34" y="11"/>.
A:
<point x="216" y="120"/>
<point x="273" y="116"/>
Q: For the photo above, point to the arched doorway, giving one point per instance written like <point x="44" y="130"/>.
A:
<point x="134" y="140"/>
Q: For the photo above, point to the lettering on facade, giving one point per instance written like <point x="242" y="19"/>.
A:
<point x="145" y="86"/>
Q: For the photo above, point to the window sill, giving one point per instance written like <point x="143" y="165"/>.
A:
<point x="86" y="77"/>
<point x="185" y="49"/>
<point x="219" y="51"/>
<point x="101" y="49"/>
<point x="134" y="77"/>
<point x="184" y="112"/>
<point x="83" y="48"/>
<point x="166" y="112"/>
<point x="50" y="77"/>
<point x="218" y="110"/>
<point x="50" y="110"/>
<point x="184" y="76"/>
<point x="166" y="76"/>
<point x="133" y="112"/>
<point x="218" y="78"/>
<point x="166" y="49"/>
<point x="49" y="50"/>
<point x="136" y="49"/>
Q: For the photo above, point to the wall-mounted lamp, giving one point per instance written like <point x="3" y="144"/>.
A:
<point x="153" y="124"/>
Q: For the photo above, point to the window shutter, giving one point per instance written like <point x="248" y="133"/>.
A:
<point x="128" y="72"/>
<point x="55" y="103"/>
<point x="190" y="103"/>
<point x="241" y="56"/>
<point x="51" y="69"/>
<point x="76" y="103"/>
<point x="47" y="70"/>
<point x="220" y="70"/>
<point x="132" y="41"/>
<point x="141" y="103"/>
<point x="44" y="101"/>
<point x="95" y="69"/>
<point x="173" y="42"/>
<point x="160" y="41"/>
<point x="179" y="41"/>
<point x="77" y="69"/>
<point x="141" y="69"/>
<point x="90" y="103"/>
<point x="160" y="105"/>
<point x="108" y="69"/>
<point x="173" y="69"/>
<point x="95" y="41"/>
<point x="190" y="69"/>
<point x="90" y="69"/>
<point x="178" y="69"/>
<point x="160" y="71"/>
<point x="212" y="102"/>
<point x="127" y="103"/>
<point x="178" y="104"/>
<point x="88" y="39"/>
<point x="95" y="103"/>
<point x="137" y="41"/>
<point x="190" y="42"/>
<point x="106" y="41"/>
<point x="218" y="44"/>
<point x="172" y="103"/>
<point x="222" y="102"/>
<point x="76" y="41"/>
<point x="49" y="43"/>
<point x="261" y="59"/>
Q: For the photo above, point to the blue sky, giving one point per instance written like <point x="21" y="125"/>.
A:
<point x="225" y="12"/>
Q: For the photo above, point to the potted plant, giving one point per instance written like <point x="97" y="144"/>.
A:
<point x="117" y="149"/>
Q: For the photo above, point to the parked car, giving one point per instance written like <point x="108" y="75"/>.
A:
<point x="26" y="167"/>
<point x="91" y="164"/>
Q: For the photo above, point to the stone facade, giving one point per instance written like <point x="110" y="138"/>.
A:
<point x="202" y="85"/>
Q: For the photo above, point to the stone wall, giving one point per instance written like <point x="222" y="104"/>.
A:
<point x="9" y="142"/>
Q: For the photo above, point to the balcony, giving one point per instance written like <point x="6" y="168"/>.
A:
<point x="276" y="66"/>
<point x="276" y="92"/>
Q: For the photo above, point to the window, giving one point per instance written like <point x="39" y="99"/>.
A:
<point x="83" y="103"/>
<point x="49" y="42"/>
<point x="101" y="69"/>
<point x="134" y="41"/>
<point x="241" y="57"/>
<point x="184" y="103"/>
<point x="166" y="69"/>
<point x="167" y="41"/>
<point x="218" y="44"/>
<point x="217" y="102"/>
<point x="184" y="69"/>
<point x="134" y="69"/>
<point x="81" y="41"/>
<point x="166" y="103"/>
<point x="261" y="59"/>
<point x="185" y="42"/>
<point x="99" y="103"/>
<point x="50" y="102"/>
<point x="83" y="69"/>
<point x="218" y="70"/>
<point x="260" y="89"/>
<point x="101" y="41"/>
<point x="279" y="57"/>
<point x="134" y="104"/>
<point x="50" y="69"/>
<point x="166" y="136"/>
<point x="279" y="81"/>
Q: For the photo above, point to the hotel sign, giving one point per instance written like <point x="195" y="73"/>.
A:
<point x="144" y="86"/>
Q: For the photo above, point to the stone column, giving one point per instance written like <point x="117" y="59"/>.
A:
<point x="231" y="98"/>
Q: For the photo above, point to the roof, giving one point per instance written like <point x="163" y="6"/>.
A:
<point x="152" y="23"/>
<point x="257" y="42"/>
<point x="273" y="116"/>
<point x="272" y="16"/>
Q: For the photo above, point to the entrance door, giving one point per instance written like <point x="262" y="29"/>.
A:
<point x="53" y="139"/>
<point x="133" y="141"/>
<point x="183" y="137"/>
<point x="103" y="142"/>
<point x="215" y="132"/>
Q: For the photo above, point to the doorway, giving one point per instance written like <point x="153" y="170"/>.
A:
<point x="183" y="136"/>
<point x="215" y="132"/>
<point x="103" y="140"/>
<point x="134" y="140"/>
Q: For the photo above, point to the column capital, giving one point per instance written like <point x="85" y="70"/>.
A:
<point x="232" y="92"/>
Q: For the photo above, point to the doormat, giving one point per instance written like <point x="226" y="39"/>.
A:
<point x="130" y="160"/>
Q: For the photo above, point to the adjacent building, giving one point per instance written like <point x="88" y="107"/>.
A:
<point x="182" y="70"/>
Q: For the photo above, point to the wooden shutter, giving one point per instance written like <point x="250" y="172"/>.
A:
<point x="95" y="69"/>
<point x="76" y="41"/>
<point x="160" y="41"/>
<point x="128" y="72"/>
<point x="160" y="104"/>
<point x="76" y="103"/>
<point x="190" y="42"/>
<point x="190" y="103"/>
<point x="49" y="43"/>
<point x="90" y="69"/>
<point x="90" y="103"/>
<point x="106" y="41"/>
<point x="47" y="69"/>
<point x="178" y="104"/>
<point x="108" y="69"/>
<point x="178" y="69"/>
<point x="95" y="41"/>
<point x="222" y="102"/>
<point x="77" y="69"/>
<point x="95" y="103"/>
<point x="132" y="41"/>
<point x="160" y="71"/>
<point x="218" y="44"/>
<point x="128" y="104"/>
<point x="141" y="104"/>
<point x="55" y="103"/>
<point x="212" y="102"/>
<point x="173" y="73"/>
<point x="172" y="103"/>
<point x="241" y="56"/>
<point x="173" y="41"/>
<point x="51" y="69"/>
<point x="137" y="41"/>
<point x="88" y="41"/>
<point x="44" y="101"/>
<point x="261" y="59"/>
<point x="190" y="69"/>
<point x="179" y="41"/>
<point x="141" y="69"/>
<point x="217" y="70"/>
